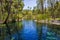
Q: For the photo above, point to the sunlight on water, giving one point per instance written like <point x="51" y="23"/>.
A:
<point x="29" y="31"/>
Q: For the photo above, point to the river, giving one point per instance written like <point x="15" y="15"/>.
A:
<point x="37" y="31"/>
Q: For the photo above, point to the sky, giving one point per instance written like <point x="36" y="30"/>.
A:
<point x="30" y="3"/>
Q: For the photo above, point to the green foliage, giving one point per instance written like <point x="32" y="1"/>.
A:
<point x="9" y="8"/>
<point x="39" y="12"/>
<point x="52" y="9"/>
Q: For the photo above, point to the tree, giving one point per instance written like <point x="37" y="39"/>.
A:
<point x="40" y="5"/>
<point x="13" y="6"/>
<point x="10" y="7"/>
<point x="52" y="7"/>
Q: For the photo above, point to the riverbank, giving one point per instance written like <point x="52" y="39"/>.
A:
<point x="56" y="22"/>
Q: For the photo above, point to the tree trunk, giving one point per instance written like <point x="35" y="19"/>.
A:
<point x="9" y="12"/>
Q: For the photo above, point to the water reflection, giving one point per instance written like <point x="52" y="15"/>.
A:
<point x="44" y="32"/>
<point x="48" y="33"/>
<point x="33" y="31"/>
<point x="29" y="31"/>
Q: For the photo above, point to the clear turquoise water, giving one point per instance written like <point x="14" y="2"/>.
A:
<point x="33" y="31"/>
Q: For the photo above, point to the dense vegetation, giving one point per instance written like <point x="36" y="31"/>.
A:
<point x="12" y="10"/>
<point x="9" y="11"/>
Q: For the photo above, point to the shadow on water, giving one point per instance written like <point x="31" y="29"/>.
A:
<point x="32" y="31"/>
<point x="28" y="32"/>
<point x="48" y="32"/>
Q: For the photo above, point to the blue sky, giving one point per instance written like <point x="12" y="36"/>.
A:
<point x="30" y="3"/>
